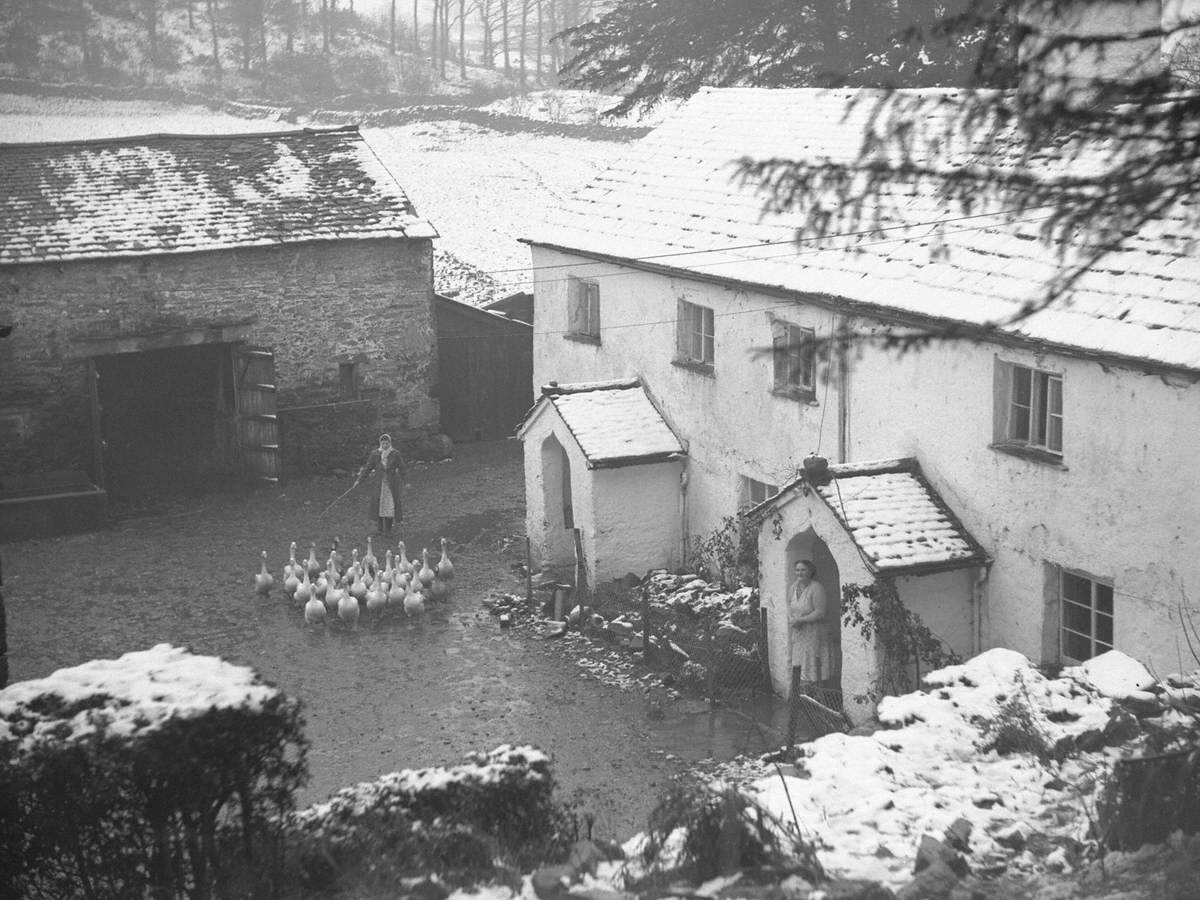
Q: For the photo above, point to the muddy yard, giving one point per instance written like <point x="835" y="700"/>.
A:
<point x="393" y="693"/>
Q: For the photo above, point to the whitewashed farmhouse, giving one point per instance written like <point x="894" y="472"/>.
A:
<point x="1035" y="486"/>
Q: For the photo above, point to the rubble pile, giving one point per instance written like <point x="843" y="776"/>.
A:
<point x="695" y="625"/>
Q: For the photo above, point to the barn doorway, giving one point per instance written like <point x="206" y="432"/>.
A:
<point x="167" y="420"/>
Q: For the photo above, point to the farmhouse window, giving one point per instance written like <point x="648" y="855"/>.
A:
<point x="1029" y="410"/>
<point x="695" y="334"/>
<point x="755" y="492"/>
<point x="1085" y="616"/>
<point x="792" y="355"/>
<point x="583" y="310"/>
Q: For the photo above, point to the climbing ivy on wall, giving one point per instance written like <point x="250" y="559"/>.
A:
<point x="906" y="642"/>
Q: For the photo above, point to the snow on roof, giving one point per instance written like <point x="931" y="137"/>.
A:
<point x="184" y="193"/>
<point x="673" y="203"/>
<point x="614" y="422"/>
<point x="134" y="694"/>
<point x="897" y="519"/>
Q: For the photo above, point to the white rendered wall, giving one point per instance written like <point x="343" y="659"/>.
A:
<point x="637" y="517"/>
<point x="1123" y="507"/>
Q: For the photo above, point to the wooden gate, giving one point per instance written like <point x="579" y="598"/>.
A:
<point x="257" y="424"/>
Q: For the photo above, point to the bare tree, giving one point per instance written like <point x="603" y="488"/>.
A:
<point x="416" y="30"/>
<point x="392" y="30"/>
<point x="504" y="35"/>
<point x="212" y="24"/>
<point x="462" y="39"/>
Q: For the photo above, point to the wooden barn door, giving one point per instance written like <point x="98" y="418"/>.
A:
<point x="257" y="425"/>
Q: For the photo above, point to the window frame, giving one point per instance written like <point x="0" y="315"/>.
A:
<point x="747" y="486"/>
<point x="1029" y="411"/>
<point x="1096" y="586"/>
<point x="691" y="335"/>
<point x="583" y="310"/>
<point x="785" y="337"/>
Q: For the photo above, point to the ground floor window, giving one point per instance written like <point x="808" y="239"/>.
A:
<point x="1085" y="616"/>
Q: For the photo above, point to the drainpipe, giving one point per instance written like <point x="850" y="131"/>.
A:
<point x="683" y="517"/>
<point x="843" y="388"/>
<point x="977" y="586"/>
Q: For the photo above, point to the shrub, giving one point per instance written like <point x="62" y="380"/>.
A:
<point x="1146" y="799"/>
<point x="1016" y="729"/>
<point x="455" y="821"/>
<point x="361" y="72"/>
<point x="159" y="771"/>
<point x="293" y="75"/>
<point x="729" y="553"/>
<point x="701" y="830"/>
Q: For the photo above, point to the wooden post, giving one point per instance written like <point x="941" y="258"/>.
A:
<point x="647" y="649"/>
<point x="93" y="377"/>
<point x="528" y="572"/>
<point x="763" y="651"/>
<point x="580" y="568"/>
<point x="3" y="632"/>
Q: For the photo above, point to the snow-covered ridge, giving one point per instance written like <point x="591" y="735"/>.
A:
<point x="133" y="695"/>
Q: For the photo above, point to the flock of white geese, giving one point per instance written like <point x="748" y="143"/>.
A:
<point x="346" y="587"/>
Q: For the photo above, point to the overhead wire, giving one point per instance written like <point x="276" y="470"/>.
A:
<point x="735" y="261"/>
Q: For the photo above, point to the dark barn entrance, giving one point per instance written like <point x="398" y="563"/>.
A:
<point x="167" y="419"/>
<point x="183" y="419"/>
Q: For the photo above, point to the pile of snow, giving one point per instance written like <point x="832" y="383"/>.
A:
<point x="866" y="800"/>
<point x="1113" y="674"/>
<point x="127" y="697"/>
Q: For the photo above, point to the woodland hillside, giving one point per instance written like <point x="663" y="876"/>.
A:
<point x="291" y="50"/>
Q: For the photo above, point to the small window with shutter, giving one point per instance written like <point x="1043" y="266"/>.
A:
<point x="583" y="310"/>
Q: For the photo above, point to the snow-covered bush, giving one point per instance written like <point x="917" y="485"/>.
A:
<point x="704" y="829"/>
<point x="157" y="771"/>
<point x="455" y="821"/>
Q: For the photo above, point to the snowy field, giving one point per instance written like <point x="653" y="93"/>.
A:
<point x="482" y="189"/>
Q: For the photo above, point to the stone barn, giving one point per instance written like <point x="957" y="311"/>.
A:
<point x="191" y="308"/>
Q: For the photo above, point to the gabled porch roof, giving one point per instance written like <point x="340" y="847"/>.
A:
<point x="615" y="423"/>
<point x="898" y="522"/>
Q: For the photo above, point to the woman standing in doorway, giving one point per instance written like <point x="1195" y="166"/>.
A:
<point x="814" y="638"/>
<point x="385" y="502"/>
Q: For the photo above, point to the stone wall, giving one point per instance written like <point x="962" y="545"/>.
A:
<point x="315" y="305"/>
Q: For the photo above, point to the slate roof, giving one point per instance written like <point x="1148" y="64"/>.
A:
<point x="184" y="193"/>
<point x="672" y="203"/>
<point x="899" y="523"/>
<point x="615" y="423"/>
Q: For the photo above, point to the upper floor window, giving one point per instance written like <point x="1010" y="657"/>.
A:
<point x="583" y="310"/>
<point x="1085" y="616"/>
<point x="695" y="335"/>
<point x="792" y="355"/>
<point x="1029" y="409"/>
<point x="755" y="492"/>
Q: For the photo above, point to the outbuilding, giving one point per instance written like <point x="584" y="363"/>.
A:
<point x="604" y="487"/>
<point x="190" y="308"/>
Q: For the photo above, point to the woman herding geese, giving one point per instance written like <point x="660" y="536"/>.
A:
<point x="385" y="502"/>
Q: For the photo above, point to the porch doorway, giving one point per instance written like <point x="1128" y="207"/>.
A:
<point x="807" y="545"/>
<point x="557" y="503"/>
<point x="167" y="420"/>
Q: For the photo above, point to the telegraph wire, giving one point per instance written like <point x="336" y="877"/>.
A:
<point x="683" y="274"/>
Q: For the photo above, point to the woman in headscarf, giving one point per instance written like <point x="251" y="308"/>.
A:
<point x="385" y="502"/>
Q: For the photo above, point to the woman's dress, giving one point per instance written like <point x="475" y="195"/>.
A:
<point x="814" y="644"/>
<point x="385" y="502"/>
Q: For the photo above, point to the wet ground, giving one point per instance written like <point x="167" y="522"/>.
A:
<point x="392" y="693"/>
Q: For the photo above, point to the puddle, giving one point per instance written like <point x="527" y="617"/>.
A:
<point x="697" y="731"/>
